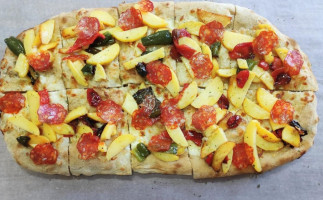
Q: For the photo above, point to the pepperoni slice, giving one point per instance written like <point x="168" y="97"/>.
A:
<point x="201" y="65"/>
<point x="265" y="42"/>
<point x="264" y="65"/>
<point x="223" y="102"/>
<point x="40" y="61"/>
<point x="44" y="97"/>
<point x="141" y="119"/>
<point x="204" y="117"/>
<point x="183" y="49"/>
<point x="87" y="146"/>
<point x="277" y="64"/>
<point x="211" y="32"/>
<point x="158" y="73"/>
<point x="174" y="54"/>
<point x="76" y="57"/>
<point x="12" y="102"/>
<point x="141" y="47"/>
<point x="130" y="19"/>
<point x="178" y="33"/>
<point x="52" y="113"/>
<point x="282" y="112"/>
<point x="242" y="155"/>
<point x="160" y="142"/>
<point x="44" y="154"/>
<point x="109" y="111"/>
<point x="242" y="78"/>
<point x="209" y="158"/>
<point x="93" y="97"/>
<point x="171" y="116"/>
<point x="146" y="5"/>
<point x="87" y="31"/>
<point x="242" y="50"/>
<point x="194" y="137"/>
<point x="293" y="62"/>
<point x="234" y="121"/>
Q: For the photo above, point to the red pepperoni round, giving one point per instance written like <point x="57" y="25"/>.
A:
<point x="175" y="54"/>
<point x="223" y="102"/>
<point x="264" y="65"/>
<point x="87" y="31"/>
<point x="160" y="142"/>
<point x="282" y="112"/>
<point x="40" y="61"/>
<point x="194" y="137"/>
<point x="211" y="32"/>
<point x="87" y="146"/>
<point x="130" y="19"/>
<point x="265" y="42"/>
<point x="44" y="154"/>
<point x="171" y="116"/>
<point x="109" y="111"/>
<point x="209" y="158"/>
<point x="141" y="119"/>
<point x="234" y="121"/>
<point x="242" y="155"/>
<point x="146" y="5"/>
<point x="293" y="62"/>
<point x="12" y="102"/>
<point x="158" y="73"/>
<point x="76" y="57"/>
<point x="178" y="33"/>
<point x="51" y="113"/>
<point x="93" y="97"/>
<point x="242" y="50"/>
<point x="204" y="117"/>
<point x="276" y="64"/>
<point x="201" y="65"/>
<point x="44" y="97"/>
<point x="242" y="78"/>
<point x="183" y="49"/>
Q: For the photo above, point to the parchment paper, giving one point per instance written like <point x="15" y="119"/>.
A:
<point x="301" y="179"/>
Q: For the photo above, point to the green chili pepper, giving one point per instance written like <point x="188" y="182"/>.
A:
<point x="215" y="48"/>
<point x="140" y="152"/>
<point x="88" y="69"/>
<point x="251" y="64"/>
<point x="158" y="38"/>
<point x="172" y="149"/>
<point x="99" y="42"/>
<point x="15" y="45"/>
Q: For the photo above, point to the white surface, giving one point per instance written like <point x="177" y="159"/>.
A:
<point x="301" y="179"/>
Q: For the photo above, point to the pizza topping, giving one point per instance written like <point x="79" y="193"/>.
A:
<point x="209" y="158"/>
<point x="15" y="45"/>
<point x="204" y="117"/>
<point x="44" y="154"/>
<point x="194" y="137"/>
<point x="146" y="5"/>
<point x="87" y="31"/>
<point x="278" y="133"/>
<point x="40" y="61"/>
<point x="242" y="78"/>
<point x="141" y="69"/>
<point x="129" y="19"/>
<point x="109" y="111"/>
<point x="158" y="73"/>
<point x="201" y="65"/>
<point x="171" y="115"/>
<point x="141" y="152"/>
<point x="159" y="38"/>
<point x="52" y="113"/>
<point x="242" y="155"/>
<point x="160" y="142"/>
<point x="88" y="70"/>
<point x="265" y="42"/>
<point x="264" y="65"/>
<point x="141" y="119"/>
<point x="211" y="32"/>
<point x="183" y="49"/>
<point x="44" y="97"/>
<point x="282" y="79"/>
<point x="234" y="121"/>
<point x="151" y="105"/>
<point x="293" y="62"/>
<point x="100" y="41"/>
<point x="12" y="102"/>
<point x="88" y="145"/>
<point x="282" y="112"/>
<point x="215" y="48"/>
<point x="93" y="97"/>
<point x="23" y="140"/>
<point x="223" y="102"/>
<point x="276" y="64"/>
<point x="75" y="57"/>
<point x="175" y="54"/>
<point x="141" y="47"/>
<point x="242" y="50"/>
<point x="298" y="127"/>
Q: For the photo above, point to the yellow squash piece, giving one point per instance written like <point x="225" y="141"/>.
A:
<point x="210" y="130"/>
<point x="22" y="66"/>
<point x="152" y="20"/>
<point x="220" y="114"/>
<point x="268" y="146"/>
<point x="69" y="32"/>
<point x="276" y="126"/>
<point x="254" y="110"/>
<point x="29" y="40"/>
<point x="267" y="135"/>
<point x="131" y="35"/>
<point x="63" y="129"/>
<point x="119" y="144"/>
<point x="105" y="56"/>
<point x="95" y="117"/>
<point x="190" y="43"/>
<point x="223" y="123"/>
<point x="269" y="58"/>
<point x="213" y="142"/>
<point x="173" y="86"/>
<point x="177" y="136"/>
<point x="226" y="73"/>
<point x="189" y="95"/>
<point x="258" y="71"/>
<point x="81" y="129"/>
<point x="112" y="31"/>
<point x="152" y="56"/>
<point x="282" y="52"/>
<point x="100" y="74"/>
<point x="193" y="27"/>
<point x="231" y="39"/>
<point x="37" y="139"/>
<point x="207" y="17"/>
<point x="206" y="50"/>
<point x="250" y="137"/>
<point x="37" y="40"/>
<point x="102" y="147"/>
<point x="48" y="46"/>
<point x="129" y="104"/>
<point x="211" y="94"/>
<point x="220" y="154"/>
<point x="166" y="157"/>
<point x="49" y="133"/>
<point x="236" y="95"/>
<point x="46" y="31"/>
<point x="180" y="150"/>
<point x="33" y="102"/>
<point x="188" y="66"/>
<point x="242" y="63"/>
<point x="104" y="17"/>
<point x="265" y="99"/>
<point x="77" y="74"/>
<point x="215" y="67"/>
<point x="108" y="131"/>
<point x="76" y="113"/>
<point x="268" y="80"/>
<point x="226" y="166"/>
<point x="23" y="123"/>
<point x="291" y="136"/>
